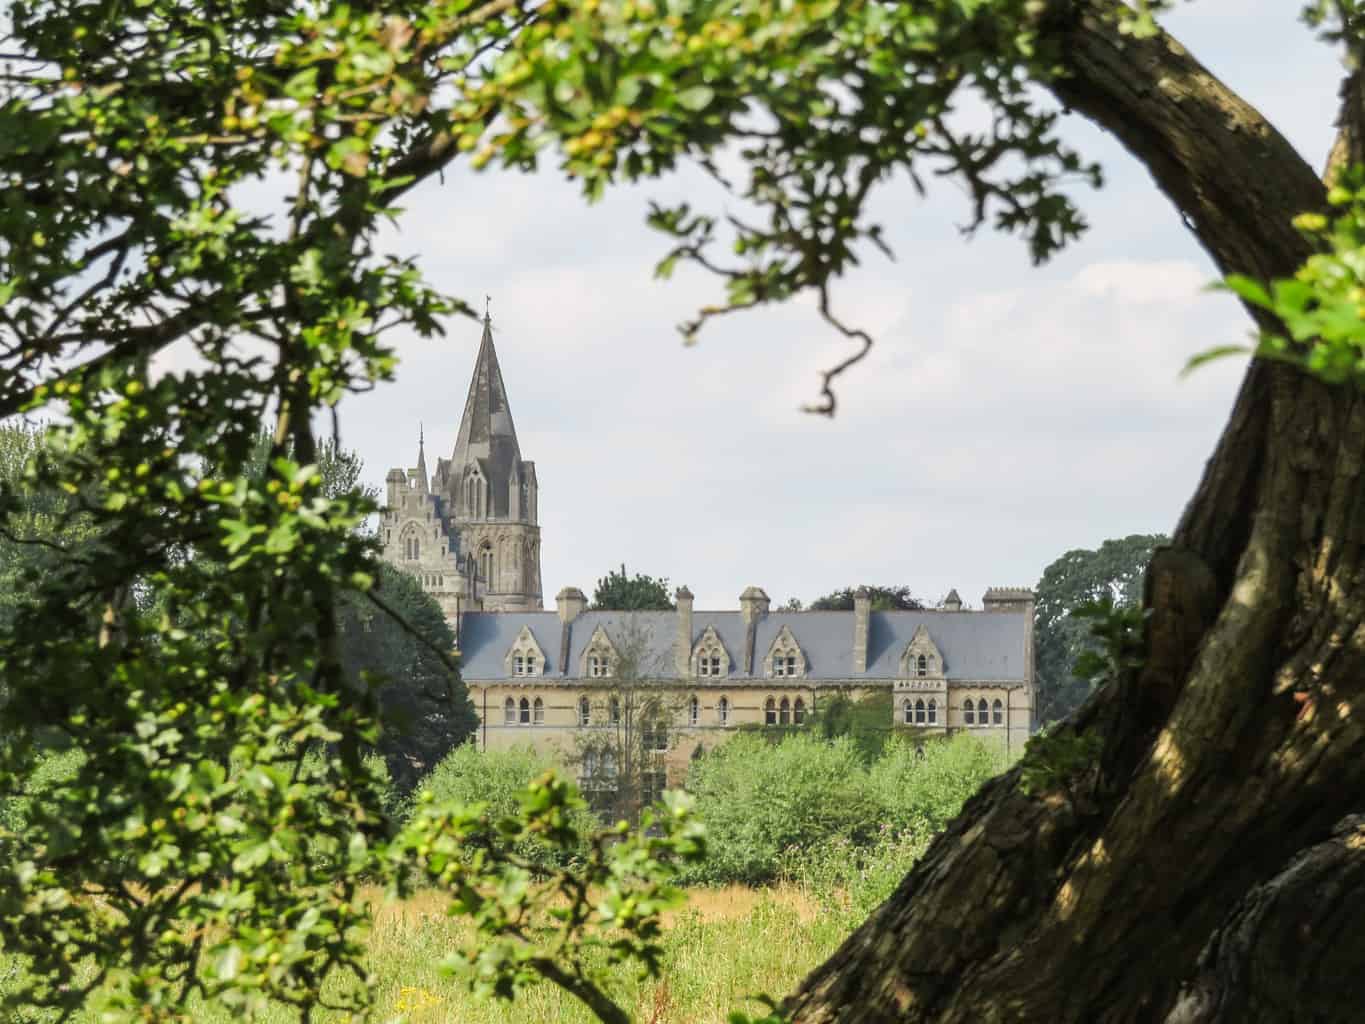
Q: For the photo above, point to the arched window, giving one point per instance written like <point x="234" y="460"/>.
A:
<point x="969" y="712"/>
<point x="609" y="763"/>
<point x="770" y="712"/>
<point x="982" y="712"/>
<point x="784" y="712"/>
<point x="584" y="711"/>
<point x="998" y="713"/>
<point x="723" y="710"/>
<point x="922" y="666"/>
<point x="509" y="712"/>
<point x="539" y="711"/>
<point x="590" y="762"/>
<point x="525" y="711"/>
<point x="799" y="711"/>
<point x="486" y="565"/>
<point x="908" y="711"/>
<point x="933" y="711"/>
<point x="615" y="711"/>
<point x="693" y="710"/>
<point x="919" y="712"/>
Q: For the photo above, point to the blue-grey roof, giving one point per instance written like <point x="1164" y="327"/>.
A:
<point x="976" y="646"/>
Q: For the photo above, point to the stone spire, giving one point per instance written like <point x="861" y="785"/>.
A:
<point x="423" y="479"/>
<point x="487" y="438"/>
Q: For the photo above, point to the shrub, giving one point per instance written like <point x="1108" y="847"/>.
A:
<point x="924" y="791"/>
<point x="497" y="779"/>
<point x="757" y="799"/>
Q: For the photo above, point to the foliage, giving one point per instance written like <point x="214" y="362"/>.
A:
<point x="17" y="811"/>
<point x="849" y="880"/>
<point x="866" y="719"/>
<point x="406" y="647"/>
<point x="785" y="809"/>
<point x="1318" y="312"/>
<point x="883" y="599"/>
<point x="618" y="592"/>
<point x="1114" y="571"/>
<point x="496" y="780"/>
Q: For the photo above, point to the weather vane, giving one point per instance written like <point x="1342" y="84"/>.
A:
<point x="487" y="314"/>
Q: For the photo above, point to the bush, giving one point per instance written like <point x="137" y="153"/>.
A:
<point x="924" y="791"/>
<point x="757" y="799"/>
<point x="52" y="768"/>
<point x="497" y="778"/>
<point x="848" y="881"/>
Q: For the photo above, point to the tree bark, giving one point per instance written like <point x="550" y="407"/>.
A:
<point x="1239" y="744"/>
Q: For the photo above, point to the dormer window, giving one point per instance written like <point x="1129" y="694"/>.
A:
<point x="598" y="660"/>
<point x="525" y="658"/>
<point x="921" y="659"/>
<point x="785" y="660"/>
<point x="710" y="660"/>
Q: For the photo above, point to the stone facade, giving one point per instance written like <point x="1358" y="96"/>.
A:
<point x="542" y="678"/>
<point x="470" y="532"/>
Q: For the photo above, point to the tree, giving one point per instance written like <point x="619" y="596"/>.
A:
<point x="884" y="599"/>
<point x="631" y="722"/>
<point x="1080" y="577"/>
<point x="618" y="592"/>
<point x="424" y="704"/>
<point x="1209" y="784"/>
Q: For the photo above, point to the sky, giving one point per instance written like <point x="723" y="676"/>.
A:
<point x="1007" y="413"/>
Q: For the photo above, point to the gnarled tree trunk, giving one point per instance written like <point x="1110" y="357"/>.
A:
<point x="1173" y="878"/>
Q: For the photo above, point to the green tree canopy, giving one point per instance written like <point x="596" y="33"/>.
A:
<point x="884" y="599"/>
<point x="618" y="591"/>
<point x="1079" y="577"/>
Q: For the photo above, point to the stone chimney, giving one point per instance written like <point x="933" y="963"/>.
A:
<point x="1008" y="599"/>
<point x="753" y="605"/>
<point x="952" y="603"/>
<point x="571" y="603"/>
<point x="862" y="611"/>
<point x="682" y="644"/>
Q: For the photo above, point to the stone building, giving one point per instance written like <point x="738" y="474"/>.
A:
<point x="470" y="531"/>
<point x="545" y="678"/>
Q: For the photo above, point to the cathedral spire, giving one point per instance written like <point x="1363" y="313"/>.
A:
<point x="487" y="441"/>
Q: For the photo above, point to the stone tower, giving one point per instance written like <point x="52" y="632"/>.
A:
<point x="483" y="502"/>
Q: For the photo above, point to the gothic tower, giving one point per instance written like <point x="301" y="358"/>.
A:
<point x="483" y="503"/>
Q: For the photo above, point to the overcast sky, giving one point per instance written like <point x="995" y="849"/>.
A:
<point x="1006" y="415"/>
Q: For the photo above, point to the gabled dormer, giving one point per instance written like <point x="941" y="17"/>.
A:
<point x="785" y="659"/>
<point x="599" y="656"/>
<point x="921" y="659"/>
<point x="710" y="659"/>
<point x="525" y="657"/>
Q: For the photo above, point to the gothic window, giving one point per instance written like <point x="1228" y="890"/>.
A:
<point x="908" y="711"/>
<point x="589" y="763"/>
<point x="969" y="712"/>
<point x="921" y="658"/>
<point x="615" y="711"/>
<point x="509" y="712"/>
<point x="708" y="665"/>
<point x="799" y="712"/>
<point x="412" y="545"/>
<point x="609" y="763"/>
<point x="770" y="712"/>
<point x="524" y="709"/>
<point x="723" y="711"/>
<point x="998" y="713"/>
<point x="693" y="710"/>
<point x="784" y="712"/>
<point x="933" y="711"/>
<point x="598" y="661"/>
<point x="599" y="665"/>
<point x="518" y="665"/>
<point x="919" y="712"/>
<point x="785" y="659"/>
<point x="652" y="786"/>
<point x="923" y="666"/>
<point x="982" y="713"/>
<point x="654" y="736"/>
<point x="584" y="711"/>
<point x="486" y="565"/>
<point x="539" y="711"/>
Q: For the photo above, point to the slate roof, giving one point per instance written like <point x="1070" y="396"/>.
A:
<point x="976" y="646"/>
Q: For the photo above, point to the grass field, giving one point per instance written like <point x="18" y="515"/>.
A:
<point x="724" y="946"/>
